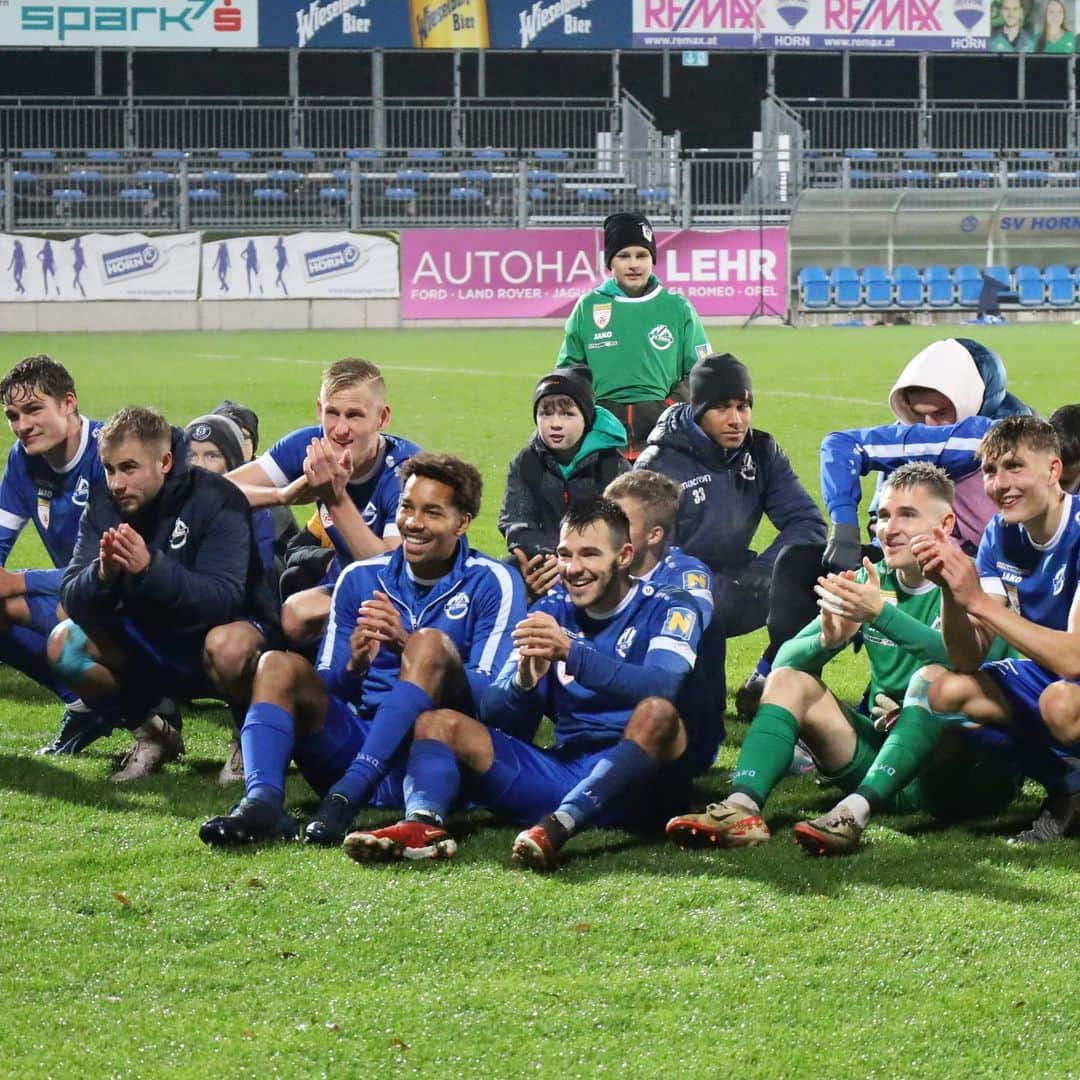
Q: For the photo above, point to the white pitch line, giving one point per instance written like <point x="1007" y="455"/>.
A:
<point x="217" y="356"/>
<point x="820" y="397"/>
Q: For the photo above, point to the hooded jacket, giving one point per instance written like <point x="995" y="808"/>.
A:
<point x="204" y="570"/>
<point x="539" y="489"/>
<point x="725" y="492"/>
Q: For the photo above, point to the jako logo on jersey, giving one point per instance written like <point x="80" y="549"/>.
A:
<point x="601" y="315"/>
<point x="660" y="337"/>
<point x="680" y="623"/>
<point x="65" y="19"/>
<point x="130" y="261"/>
<point x="82" y="492"/>
<point x="626" y="639"/>
<point x="1059" y="581"/>
<point x="457" y="606"/>
<point x="179" y="535"/>
<point x="337" y="259"/>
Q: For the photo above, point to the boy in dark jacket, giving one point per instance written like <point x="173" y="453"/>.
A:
<point x="165" y="552"/>
<point x="730" y="474"/>
<point x="574" y="454"/>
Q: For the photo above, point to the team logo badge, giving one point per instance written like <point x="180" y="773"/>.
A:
<point x="179" y="535"/>
<point x="202" y="433"/>
<point x="646" y="231"/>
<point x="1059" y="581"/>
<point x="626" y="639"/>
<point x="701" y="351"/>
<point x="370" y="514"/>
<point x="601" y="315"/>
<point x="82" y="492"/>
<point x="44" y="507"/>
<point x="457" y="606"/>
<point x="748" y="470"/>
<point x="660" y="337"/>
<point x="680" y="623"/>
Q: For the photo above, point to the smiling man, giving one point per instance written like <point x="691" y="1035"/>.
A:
<point x="425" y="624"/>
<point x="1025" y="589"/>
<point x="606" y="658"/>
<point x="638" y="339"/>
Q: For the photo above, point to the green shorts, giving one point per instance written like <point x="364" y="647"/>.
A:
<point x="958" y="782"/>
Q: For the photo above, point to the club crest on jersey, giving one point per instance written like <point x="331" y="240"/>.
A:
<point x="44" y="507"/>
<point x="325" y="518"/>
<point x="748" y="469"/>
<point x="1059" y="581"/>
<point x="370" y="514"/>
<point x="601" y="315"/>
<point x="82" y="492"/>
<point x="626" y="639"/>
<point x="457" y="607"/>
<point x="562" y="674"/>
<point x="680" y="623"/>
<point x="660" y="337"/>
<point x="179" y="535"/>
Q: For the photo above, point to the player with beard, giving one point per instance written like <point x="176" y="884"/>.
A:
<point x="605" y="657"/>
<point x="425" y="624"/>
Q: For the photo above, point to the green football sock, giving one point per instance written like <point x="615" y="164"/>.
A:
<point x="766" y="752"/>
<point x="902" y="755"/>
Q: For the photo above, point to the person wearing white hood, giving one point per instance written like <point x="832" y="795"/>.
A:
<point x="944" y="401"/>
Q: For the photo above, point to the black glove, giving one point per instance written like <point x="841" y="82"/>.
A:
<point x="844" y="549"/>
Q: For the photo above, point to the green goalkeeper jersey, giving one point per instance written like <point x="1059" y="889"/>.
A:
<point x="638" y="348"/>
<point x="904" y="637"/>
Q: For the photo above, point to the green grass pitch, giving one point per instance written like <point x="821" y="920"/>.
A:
<point x="131" y="950"/>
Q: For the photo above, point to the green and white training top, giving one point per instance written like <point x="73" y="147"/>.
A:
<point x="638" y="348"/>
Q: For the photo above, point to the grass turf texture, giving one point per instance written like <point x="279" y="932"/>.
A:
<point x="132" y="950"/>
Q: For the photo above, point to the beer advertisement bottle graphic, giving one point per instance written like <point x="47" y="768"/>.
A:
<point x="449" y="24"/>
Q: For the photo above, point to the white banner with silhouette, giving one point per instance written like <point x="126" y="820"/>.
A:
<point x="302" y="265"/>
<point x="99" y="266"/>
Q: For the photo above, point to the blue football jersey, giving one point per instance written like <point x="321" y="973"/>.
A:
<point x="646" y="646"/>
<point x="54" y="500"/>
<point x="376" y="495"/>
<point x="1039" y="581"/>
<point x="681" y="571"/>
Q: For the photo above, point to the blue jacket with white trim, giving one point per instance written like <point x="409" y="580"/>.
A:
<point x="476" y="605"/>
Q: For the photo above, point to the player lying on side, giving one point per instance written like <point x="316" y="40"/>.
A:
<point x="606" y="658"/>
<point x="911" y="768"/>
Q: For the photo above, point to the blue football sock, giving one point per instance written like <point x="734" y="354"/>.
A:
<point x="763" y="667"/>
<point x="620" y="766"/>
<point x="267" y="742"/>
<point x="432" y="779"/>
<point x="23" y="648"/>
<point x="390" y="727"/>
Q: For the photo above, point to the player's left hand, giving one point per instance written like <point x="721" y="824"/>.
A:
<point x="363" y="648"/>
<point x="11" y="584"/>
<point x="383" y="621"/>
<point x="326" y="473"/>
<point x="130" y="550"/>
<point x="540" y="634"/>
<point x="855" y="600"/>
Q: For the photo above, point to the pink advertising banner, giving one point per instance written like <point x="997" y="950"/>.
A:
<point x="540" y="273"/>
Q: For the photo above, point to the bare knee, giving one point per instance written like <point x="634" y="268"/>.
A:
<point x="304" y="615"/>
<point x="54" y="648"/>
<point x="655" y="725"/>
<point x="793" y="690"/>
<point x="951" y="692"/>
<point x="1059" y="706"/>
<point x="232" y="651"/>
<point x="428" y="658"/>
<point x="442" y="725"/>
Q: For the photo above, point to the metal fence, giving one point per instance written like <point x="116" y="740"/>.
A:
<point x="841" y="123"/>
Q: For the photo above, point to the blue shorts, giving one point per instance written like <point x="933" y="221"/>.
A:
<point x="1022" y="682"/>
<point x="322" y="758"/>
<point x="525" y="782"/>
<point x="42" y="607"/>
<point x="167" y="667"/>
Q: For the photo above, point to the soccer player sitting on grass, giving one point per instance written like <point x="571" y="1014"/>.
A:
<point x="575" y="450"/>
<point x="605" y="658"/>
<point x="1024" y="588"/>
<point x="165" y="552"/>
<point x="908" y="769"/>
<point x="47" y="480"/>
<point x="423" y="625"/>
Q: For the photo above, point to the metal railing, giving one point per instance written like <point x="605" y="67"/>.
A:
<point x="841" y="123"/>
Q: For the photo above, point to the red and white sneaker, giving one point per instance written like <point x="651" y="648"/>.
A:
<point x="538" y="847"/>
<point x="412" y="840"/>
<point x="723" y="824"/>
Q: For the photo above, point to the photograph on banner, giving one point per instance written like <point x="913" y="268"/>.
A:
<point x="540" y="273"/>
<point x="1033" y="26"/>
<point x="165" y="24"/>
<point x="300" y="266"/>
<point x="97" y="266"/>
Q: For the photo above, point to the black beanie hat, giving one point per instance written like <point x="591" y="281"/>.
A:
<point x="719" y="377"/>
<point x="224" y="433"/>
<point x="244" y="417"/>
<point x="627" y="230"/>
<point x="575" y="382"/>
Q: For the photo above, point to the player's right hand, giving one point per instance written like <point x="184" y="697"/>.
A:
<point x="541" y="573"/>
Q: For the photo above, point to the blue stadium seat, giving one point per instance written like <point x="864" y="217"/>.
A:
<point x="284" y="175"/>
<point x="938" y="286"/>
<point x="540" y="176"/>
<point x="1032" y="177"/>
<point x="920" y="155"/>
<point x="973" y="176"/>
<point x="846" y="290"/>
<point x="1060" y="289"/>
<point x="1030" y="286"/>
<point x="476" y="176"/>
<point x="550" y="154"/>
<point x="412" y="176"/>
<point x="908" y="282"/>
<point x="218" y="176"/>
<point x="877" y="286"/>
<point x="168" y="155"/>
<point x="814" y="287"/>
<point x="152" y="176"/>
<point x="37" y="155"/>
<point x="136" y="194"/>
<point x="399" y="194"/>
<point x="104" y="155"/>
<point x="1002" y="273"/>
<point x="269" y="194"/>
<point x="466" y="194"/>
<point x="69" y="194"/>
<point x="594" y="194"/>
<point x="864" y="154"/>
<point x="206" y="194"/>
<point x="85" y="176"/>
<point x="538" y="194"/>
<point x="424" y="154"/>
<point x="234" y="155"/>
<point x="978" y="155"/>
<point x="344" y="175"/>
<point x="914" y="176"/>
<point x="363" y="155"/>
<point x="489" y="155"/>
<point x="1036" y="155"/>
<point x="298" y="155"/>
<point x="860" y="176"/>
<point x="21" y="176"/>
<point x="968" y="284"/>
<point x="333" y="194"/>
<point x="655" y="194"/>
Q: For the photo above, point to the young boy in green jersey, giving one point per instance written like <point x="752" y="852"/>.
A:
<point x="639" y="340"/>
<point x="916" y="765"/>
